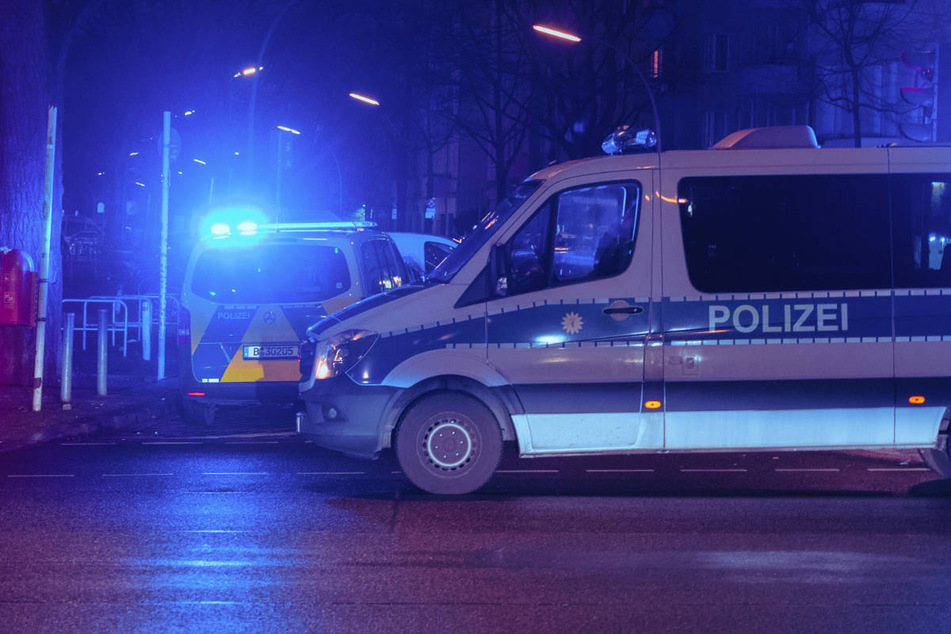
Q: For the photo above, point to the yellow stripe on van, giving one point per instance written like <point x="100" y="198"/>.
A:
<point x="279" y="329"/>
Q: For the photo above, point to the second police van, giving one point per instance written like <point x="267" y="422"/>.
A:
<point x="250" y="292"/>
<point x="764" y="294"/>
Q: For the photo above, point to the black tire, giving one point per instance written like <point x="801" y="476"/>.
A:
<point x="198" y="413"/>
<point x="448" y="443"/>
<point x="938" y="461"/>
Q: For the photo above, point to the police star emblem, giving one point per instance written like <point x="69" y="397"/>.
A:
<point x="572" y="323"/>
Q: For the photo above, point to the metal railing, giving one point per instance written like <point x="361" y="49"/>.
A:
<point x="127" y="325"/>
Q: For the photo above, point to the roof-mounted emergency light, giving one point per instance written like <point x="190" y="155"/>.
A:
<point x="626" y="140"/>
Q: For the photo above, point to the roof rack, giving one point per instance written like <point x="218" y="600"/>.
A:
<point x="776" y="137"/>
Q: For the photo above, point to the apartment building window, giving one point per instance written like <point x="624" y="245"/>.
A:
<point x="657" y="63"/>
<point x="718" y="53"/>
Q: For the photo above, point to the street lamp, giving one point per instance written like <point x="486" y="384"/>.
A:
<point x="575" y="39"/>
<point x="367" y="100"/>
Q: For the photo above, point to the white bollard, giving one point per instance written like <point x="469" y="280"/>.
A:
<point x="101" y="356"/>
<point x="146" y="330"/>
<point x="66" y="384"/>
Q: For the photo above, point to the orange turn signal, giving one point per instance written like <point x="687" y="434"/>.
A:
<point x="652" y="404"/>
<point x="916" y="400"/>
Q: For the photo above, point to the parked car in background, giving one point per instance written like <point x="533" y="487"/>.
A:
<point x="422" y="252"/>
<point x="250" y="292"/>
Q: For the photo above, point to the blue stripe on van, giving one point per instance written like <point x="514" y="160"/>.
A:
<point x="395" y="348"/>
<point x="566" y="322"/>
<point x="922" y="315"/>
<point x="810" y="316"/>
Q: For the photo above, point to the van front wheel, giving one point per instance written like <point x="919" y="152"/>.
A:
<point x="448" y="443"/>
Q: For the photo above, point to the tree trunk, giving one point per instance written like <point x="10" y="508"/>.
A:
<point x="23" y="119"/>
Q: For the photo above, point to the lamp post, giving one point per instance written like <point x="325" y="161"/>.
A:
<point x="576" y="39"/>
<point x="253" y="72"/>
<point x="398" y="137"/>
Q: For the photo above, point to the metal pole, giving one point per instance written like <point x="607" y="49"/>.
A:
<point x="146" y="314"/>
<point x="102" y="360"/>
<point x="163" y="244"/>
<point x="44" y="261"/>
<point x="66" y="384"/>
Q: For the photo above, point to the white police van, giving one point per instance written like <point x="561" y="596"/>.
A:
<point x="764" y="294"/>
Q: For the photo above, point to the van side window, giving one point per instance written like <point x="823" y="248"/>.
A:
<point x="747" y="234"/>
<point x="382" y="266"/>
<point x="921" y="205"/>
<point x="580" y="234"/>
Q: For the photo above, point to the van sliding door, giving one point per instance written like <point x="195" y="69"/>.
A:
<point x="778" y="325"/>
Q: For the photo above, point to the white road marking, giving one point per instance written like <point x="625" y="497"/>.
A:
<point x="806" y="470"/>
<point x="325" y="473"/>
<point x="713" y="471"/>
<point x="234" y="473"/>
<point x="619" y="470"/>
<point x="252" y="442"/>
<point x="527" y="471"/>
<point x="173" y="442"/>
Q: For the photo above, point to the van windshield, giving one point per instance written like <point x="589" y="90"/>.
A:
<point x="271" y="274"/>
<point x="486" y="228"/>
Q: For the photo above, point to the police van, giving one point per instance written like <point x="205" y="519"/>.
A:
<point x="251" y="290"/>
<point x="764" y="294"/>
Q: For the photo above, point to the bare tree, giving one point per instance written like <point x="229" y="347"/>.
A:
<point x="494" y="81"/>
<point x="854" y="42"/>
<point x="588" y="89"/>
<point x="23" y="119"/>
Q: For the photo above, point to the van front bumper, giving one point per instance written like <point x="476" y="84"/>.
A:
<point x="346" y="417"/>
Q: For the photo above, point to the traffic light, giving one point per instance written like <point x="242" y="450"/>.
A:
<point x="922" y="95"/>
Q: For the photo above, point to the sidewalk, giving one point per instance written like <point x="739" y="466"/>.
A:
<point x="134" y="396"/>
<point x="120" y="408"/>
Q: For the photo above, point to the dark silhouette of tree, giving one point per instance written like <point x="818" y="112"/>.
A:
<point x="24" y="65"/>
<point x="493" y="75"/>
<point x="586" y="90"/>
<point x="853" y="43"/>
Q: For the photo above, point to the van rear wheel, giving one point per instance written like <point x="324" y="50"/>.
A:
<point x="448" y="443"/>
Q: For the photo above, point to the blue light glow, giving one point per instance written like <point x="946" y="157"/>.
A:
<point x="232" y="221"/>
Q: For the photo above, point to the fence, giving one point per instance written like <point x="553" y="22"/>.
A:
<point x="133" y="317"/>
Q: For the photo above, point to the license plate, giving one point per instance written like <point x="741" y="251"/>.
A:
<point x="271" y="351"/>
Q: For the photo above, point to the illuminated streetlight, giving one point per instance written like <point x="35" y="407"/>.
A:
<point x="556" y="33"/>
<point x="248" y="72"/>
<point x="571" y="37"/>
<point x="367" y="100"/>
<point x="284" y="128"/>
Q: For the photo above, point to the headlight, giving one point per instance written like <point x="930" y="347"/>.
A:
<point x="341" y="352"/>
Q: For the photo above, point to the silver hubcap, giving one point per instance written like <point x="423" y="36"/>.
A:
<point x="448" y="445"/>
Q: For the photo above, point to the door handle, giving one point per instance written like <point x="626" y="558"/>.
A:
<point x="623" y="310"/>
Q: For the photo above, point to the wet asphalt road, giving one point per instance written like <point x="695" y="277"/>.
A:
<point x="249" y="529"/>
